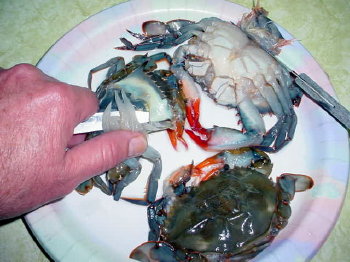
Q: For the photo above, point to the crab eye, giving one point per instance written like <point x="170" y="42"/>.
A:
<point x="226" y="167"/>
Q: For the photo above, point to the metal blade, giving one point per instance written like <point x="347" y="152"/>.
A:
<point x="94" y="123"/>
<point x="323" y="99"/>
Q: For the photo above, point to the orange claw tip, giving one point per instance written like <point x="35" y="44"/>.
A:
<point x="211" y="161"/>
<point x="192" y="112"/>
<point x="209" y="167"/>
<point x="184" y="143"/>
<point x="175" y="136"/>
<point x="181" y="174"/>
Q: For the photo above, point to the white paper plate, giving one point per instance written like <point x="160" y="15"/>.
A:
<point x="96" y="228"/>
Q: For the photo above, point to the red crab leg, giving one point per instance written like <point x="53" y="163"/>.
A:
<point x="192" y="114"/>
<point x="198" y="134"/>
<point x="176" y="135"/>
<point x="211" y="166"/>
<point x="198" y="139"/>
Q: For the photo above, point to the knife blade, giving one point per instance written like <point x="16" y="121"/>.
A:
<point x="94" y="123"/>
<point x="323" y="99"/>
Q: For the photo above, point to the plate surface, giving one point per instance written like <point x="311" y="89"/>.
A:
<point x="96" y="228"/>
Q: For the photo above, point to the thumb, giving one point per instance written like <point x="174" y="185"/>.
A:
<point x="102" y="152"/>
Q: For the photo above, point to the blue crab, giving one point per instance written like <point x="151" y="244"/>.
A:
<point x="137" y="85"/>
<point x="155" y="91"/>
<point x="234" y="71"/>
<point x="223" y="209"/>
<point x="117" y="178"/>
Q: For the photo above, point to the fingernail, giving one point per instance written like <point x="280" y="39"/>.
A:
<point x="137" y="146"/>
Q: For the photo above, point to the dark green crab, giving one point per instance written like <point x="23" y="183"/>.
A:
<point x="223" y="209"/>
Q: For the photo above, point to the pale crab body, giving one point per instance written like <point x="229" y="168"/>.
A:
<point x="116" y="179"/>
<point x="127" y="88"/>
<point x="148" y="89"/>
<point x="234" y="71"/>
<point x="155" y="91"/>
<point x="232" y="214"/>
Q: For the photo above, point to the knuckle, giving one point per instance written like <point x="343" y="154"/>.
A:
<point x="59" y="93"/>
<point x="54" y="100"/>
<point x="23" y="70"/>
<point x="19" y="75"/>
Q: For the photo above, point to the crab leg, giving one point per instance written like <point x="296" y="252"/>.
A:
<point x="135" y="167"/>
<point x="286" y="121"/>
<point x="98" y="182"/>
<point x="160" y="35"/>
<point x="176" y="135"/>
<point x="264" y="32"/>
<point x="223" y="138"/>
<point x="288" y="184"/>
<point x="153" y="156"/>
<point x="189" y="87"/>
<point x="207" y="168"/>
<point x="151" y="190"/>
<point x="128" y="120"/>
<point x="291" y="183"/>
<point x="84" y="187"/>
<point x="283" y="131"/>
<point x="174" y="95"/>
<point x="114" y="65"/>
<point x="242" y="157"/>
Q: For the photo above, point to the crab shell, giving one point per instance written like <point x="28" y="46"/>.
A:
<point x="234" y="215"/>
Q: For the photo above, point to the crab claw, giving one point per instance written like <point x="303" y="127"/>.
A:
<point x="192" y="114"/>
<point x="288" y="184"/>
<point x="291" y="183"/>
<point x="176" y="134"/>
<point x="209" y="167"/>
<point x="223" y="138"/>
<point x="200" y="138"/>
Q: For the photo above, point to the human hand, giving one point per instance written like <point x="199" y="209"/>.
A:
<point x="37" y="118"/>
